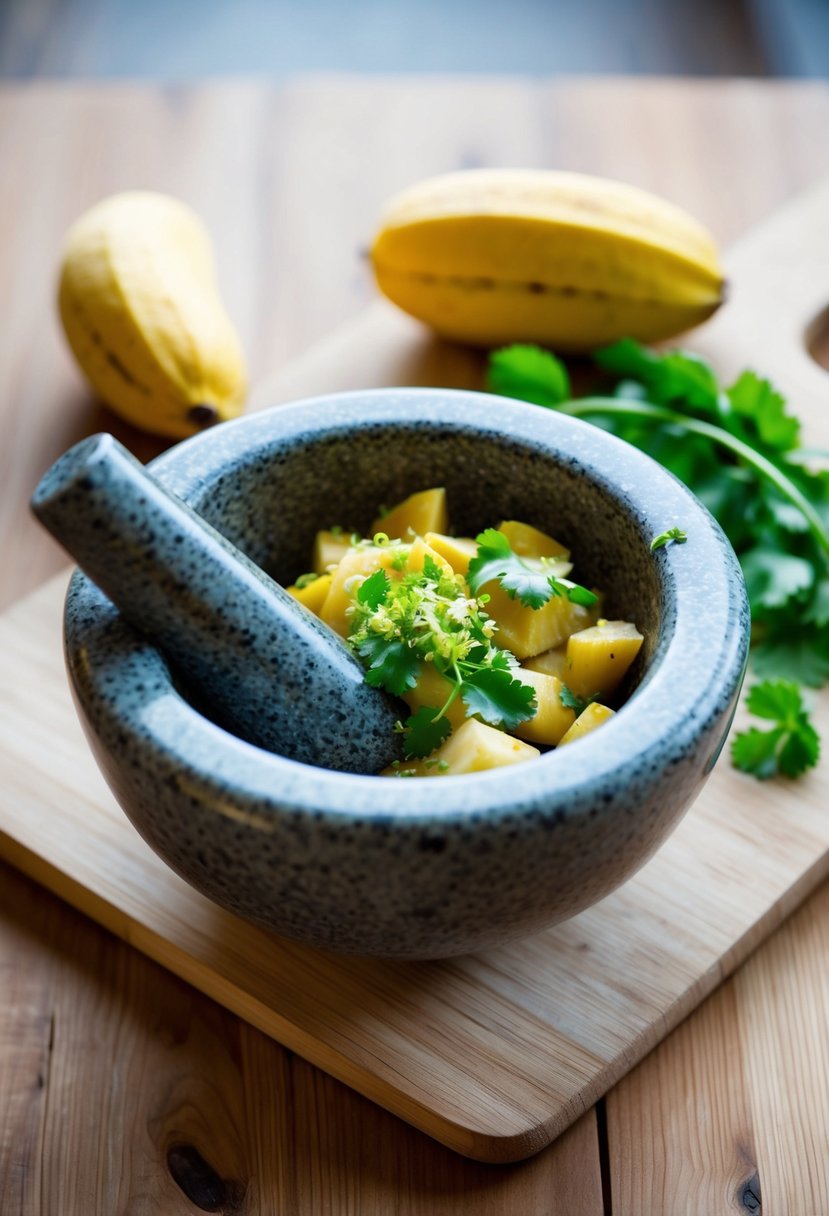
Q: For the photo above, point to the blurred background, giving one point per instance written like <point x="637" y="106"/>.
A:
<point x="192" y="38"/>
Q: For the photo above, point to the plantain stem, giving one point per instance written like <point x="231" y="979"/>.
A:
<point x="696" y="426"/>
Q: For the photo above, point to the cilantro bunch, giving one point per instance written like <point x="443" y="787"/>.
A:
<point x="738" y="448"/>
<point x="427" y="616"/>
<point x="790" y="746"/>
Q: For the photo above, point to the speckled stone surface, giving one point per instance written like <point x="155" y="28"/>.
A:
<point x="424" y="868"/>
<point x="237" y="640"/>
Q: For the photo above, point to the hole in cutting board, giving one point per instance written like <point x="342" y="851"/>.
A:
<point x="817" y="338"/>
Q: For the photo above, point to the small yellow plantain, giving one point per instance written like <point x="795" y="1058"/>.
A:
<point x="491" y="256"/>
<point x="141" y="311"/>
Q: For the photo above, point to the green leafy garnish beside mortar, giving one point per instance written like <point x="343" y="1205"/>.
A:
<point x="738" y="449"/>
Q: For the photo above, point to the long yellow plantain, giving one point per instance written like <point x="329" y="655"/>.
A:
<point x="141" y="311"/>
<point x="491" y="256"/>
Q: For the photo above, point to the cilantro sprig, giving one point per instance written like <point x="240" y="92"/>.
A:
<point x="738" y="448"/>
<point x="425" y="730"/>
<point x="790" y="747"/>
<point x="671" y="536"/>
<point x="401" y="623"/>
<point x="533" y="582"/>
<point x="570" y="701"/>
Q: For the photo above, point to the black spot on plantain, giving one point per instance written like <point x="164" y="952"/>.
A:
<point x="203" y="415"/>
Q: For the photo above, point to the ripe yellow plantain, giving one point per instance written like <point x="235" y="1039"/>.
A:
<point x="489" y="256"/>
<point x="141" y="311"/>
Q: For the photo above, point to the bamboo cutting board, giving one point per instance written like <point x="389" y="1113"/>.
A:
<point x="496" y="1053"/>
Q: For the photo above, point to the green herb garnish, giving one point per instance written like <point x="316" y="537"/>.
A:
<point x="570" y="701"/>
<point x="738" y="449"/>
<point x="529" y="373"/>
<point x="534" y="582"/>
<point x="676" y="536"/>
<point x="427" y="616"/>
<point x="305" y="580"/>
<point x="425" y="730"/>
<point x="789" y="747"/>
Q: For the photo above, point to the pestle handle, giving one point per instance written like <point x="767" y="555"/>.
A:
<point x="267" y="669"/>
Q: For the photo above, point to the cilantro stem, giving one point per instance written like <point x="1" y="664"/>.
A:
<point x="456" y="688"/>
<point x="696" y="426"/>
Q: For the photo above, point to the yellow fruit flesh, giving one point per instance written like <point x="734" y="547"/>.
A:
<point x="418" y="553"/>
<point x="457" y="550"/>
<point x="530" y="631"/>
<point x="473" y="748"/>
<point x="599" y="657"/>
<point x="312" y="595"/>
<point x="329" y="549"/>
<point x="418" y="514"/>
<point x="551" y="719"/>
<point x="434" y="689"/>
<point x="550" y="662"/>
<point x="588" y="720"/>
<point x="527" y="541"/>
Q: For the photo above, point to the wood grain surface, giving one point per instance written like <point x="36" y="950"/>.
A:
<point x="290" y="180"/>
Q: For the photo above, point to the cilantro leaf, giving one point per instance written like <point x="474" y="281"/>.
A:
<point x="305" y="580"/>
<point x="532" y="584"/>
<point x="570" y="701"/>
<point x="753" y="751"/>
<point x="773" y="578"/>
<point x="672" y="376"/>
<point x="501" y="660"/>
<point x="498" y="697"/>
<point x="373" y="591"/>
<point x="800" y="751"/>
<point x="529" y="373"/>
<point x="775" y="700"/>
<point x="790" y="747"/>
<point x="817" y="612"/>
<point x="757" y="401"/>
<point x="799" y="653"/>
<point x="393" y="665"/>
<point x="675" y="535"/>
<point x="574" y="592"/>
<point x="424" y="731"/>
<point x="496" y="560"/>
<point x="785" y="515"/>
<point x="431" y="569"/>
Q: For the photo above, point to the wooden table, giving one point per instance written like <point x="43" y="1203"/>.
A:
<point x="122" y="1089"/>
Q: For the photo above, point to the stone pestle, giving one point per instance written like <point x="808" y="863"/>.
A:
<point x="262" y="665"/>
